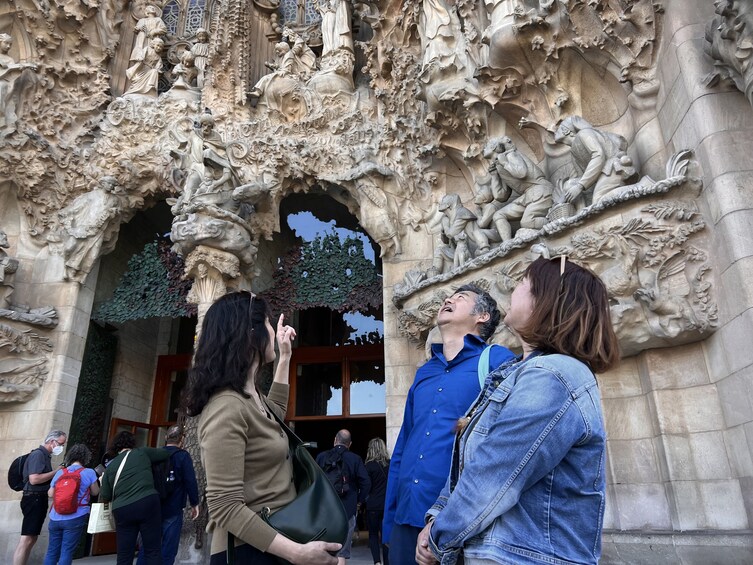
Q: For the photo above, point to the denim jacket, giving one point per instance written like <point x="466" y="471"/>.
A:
<point x="527" y="482"/>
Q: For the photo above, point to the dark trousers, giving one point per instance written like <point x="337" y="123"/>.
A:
<point x="374" y="519"/>
<point x="403" y="542"/>
<point x="145" y="517"/>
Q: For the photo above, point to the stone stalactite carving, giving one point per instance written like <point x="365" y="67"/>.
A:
<point x="729" y="41"/>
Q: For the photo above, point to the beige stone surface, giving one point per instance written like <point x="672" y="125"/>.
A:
<point x="628" y="418"/>
<point x="642" y="507"/>
<point x="688" y="410"/>
<point x="681" y="368"/>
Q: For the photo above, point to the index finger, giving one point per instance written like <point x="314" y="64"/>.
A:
<point x="279" y="322"/>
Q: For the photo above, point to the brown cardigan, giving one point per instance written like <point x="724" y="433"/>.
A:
<point x="246" y="459"/>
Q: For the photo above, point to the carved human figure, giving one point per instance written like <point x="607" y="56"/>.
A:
<point x="185" y="72"/>
<point x="519" y="184"/>
<point x="200" y="51"/>
<point x="293" y="66"/>
<point x="8" y="266"/>
<point x="204" y="144"/>
<point x="144" y="75"/>
<point x="147" y="28"/>
<point x="599" y="155"/>
<point x="336" y="32"/>
<point x="456" y="228"/>
<point x="9" y="72"/>
<point x="90" y="226"/>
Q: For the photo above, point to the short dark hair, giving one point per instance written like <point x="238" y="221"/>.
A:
<point x="570" y="314"/>
<point x="485" y="304"/>
<point x="233" y="336"/>
<point x="78" y="452"/>
<point x="123" y="440"/>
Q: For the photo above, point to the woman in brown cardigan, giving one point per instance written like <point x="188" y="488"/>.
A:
<point x="243" y="449"/>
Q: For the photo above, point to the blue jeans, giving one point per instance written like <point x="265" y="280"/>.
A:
<point x="403" y="544"/>
<point x="171" y="528"/>
<point x="64" y="538"/>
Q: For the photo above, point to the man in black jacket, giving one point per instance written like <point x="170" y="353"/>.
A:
<point x="348" y="475"/>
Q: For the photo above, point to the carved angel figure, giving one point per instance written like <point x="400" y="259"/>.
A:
<point x="147" y="28"/>
<point x="599" y="155"/>
<point x="9" y="72"/>
<point x="200" y="51"/>
<point x="144" y="75"/>
<point x="90" y="226"/>
<point x="519" y="184"/>
<point x="336" y="33"/>
<point x="185" y="72"/>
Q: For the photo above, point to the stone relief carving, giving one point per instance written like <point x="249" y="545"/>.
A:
<point x="601" y="159"/>
<point x="90" y="226"/>
<point x="10" y="85"/>
<point x="442" y="77"/>
<point x="282" y="90"/>
<point x="143" y="76"/>
<point x="654" y="265"/>
<point x="23" y="352"/>
<point x="729" y="42"/>
<point x="200" y="51"/>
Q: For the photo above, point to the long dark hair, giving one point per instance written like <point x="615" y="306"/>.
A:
<point x="570" y="314"/>
<point x="233" y="337"/>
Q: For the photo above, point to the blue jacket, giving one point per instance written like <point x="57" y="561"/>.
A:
<point x="440" y="394"/>
<point x="185" y="483"/>
<point x="527" y="482"/>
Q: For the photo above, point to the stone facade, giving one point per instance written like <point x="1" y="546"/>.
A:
<point x="467" y="139"/>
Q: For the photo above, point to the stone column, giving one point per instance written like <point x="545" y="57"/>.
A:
<point x="211" y="270"/>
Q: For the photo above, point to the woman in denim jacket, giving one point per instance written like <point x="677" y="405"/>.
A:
<point x="527" y="482"/>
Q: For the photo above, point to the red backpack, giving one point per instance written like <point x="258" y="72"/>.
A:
<point x="65" y="499"/>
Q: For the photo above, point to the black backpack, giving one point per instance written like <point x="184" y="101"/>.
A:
<point x="334" y="468"/>
<point x="164" y="477"/>
<point x="16" y="472"/>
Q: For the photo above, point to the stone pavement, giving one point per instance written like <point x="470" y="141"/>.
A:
<point x="360" y="555"/>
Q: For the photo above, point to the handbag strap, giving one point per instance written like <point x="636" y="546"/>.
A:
<point x="230" y="552"/>
<point x="117" y="475"/>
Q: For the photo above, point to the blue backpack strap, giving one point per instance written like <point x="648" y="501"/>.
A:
<point x="483" y="365"/>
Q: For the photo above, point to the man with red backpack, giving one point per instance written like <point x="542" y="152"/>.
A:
<point x="71" y="490"/>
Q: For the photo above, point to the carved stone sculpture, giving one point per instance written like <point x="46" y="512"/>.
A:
<point x="202" y="146"/>
<point x="457" y="230"/>
<point x="200" y="51"/>
<point x="519" y="185"/>
<point x="143" y="76"/>
<point x="729" y="37"/>
<point x="601" y="158"/>
<point x="281" y="90"/>
<point x="147" y="28"/>
<point x="185" y="72"/>
<point x="90" y="226"/>
<point x="336" y="32"/>
<point x="8" y="266"/>
<point x="9" y="73"/>
<point x="23" y="363"/>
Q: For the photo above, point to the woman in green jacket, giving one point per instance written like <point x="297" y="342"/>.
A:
<point x="135" y="501"/>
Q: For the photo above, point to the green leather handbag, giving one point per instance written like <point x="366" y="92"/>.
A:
<point x="317" y="513"/>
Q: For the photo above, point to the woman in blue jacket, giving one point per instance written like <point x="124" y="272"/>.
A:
<point x="527" y="482"/>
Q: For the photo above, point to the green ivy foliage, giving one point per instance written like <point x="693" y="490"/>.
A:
<point x="152" y="286"/>
<point x="90" y="407"/>
<point x="326" y="272"/>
